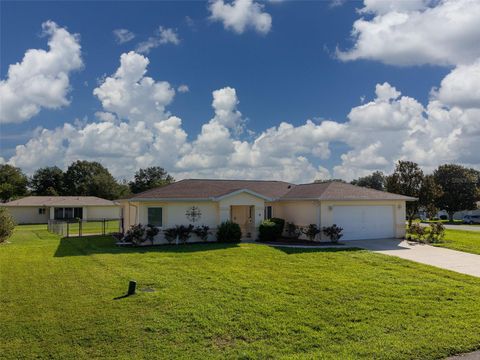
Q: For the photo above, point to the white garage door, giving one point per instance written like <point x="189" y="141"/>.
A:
<point x="364" y="222"/>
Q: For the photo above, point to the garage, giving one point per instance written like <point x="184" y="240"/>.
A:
<point x="365" y="221"/>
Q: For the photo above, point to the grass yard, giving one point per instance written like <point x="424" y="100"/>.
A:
<point x="468" y="241"/>
<point x="221" y="301"/>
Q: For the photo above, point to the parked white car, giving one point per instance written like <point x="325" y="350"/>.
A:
<point x="471" y="219"/>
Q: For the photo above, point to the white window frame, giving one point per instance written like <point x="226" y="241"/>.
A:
<point x="265" y="213"/>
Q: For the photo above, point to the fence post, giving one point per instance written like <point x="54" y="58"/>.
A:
<point x="68" y="229"/>
<point x="103" y="228"/>
<point x="80" y="224"/>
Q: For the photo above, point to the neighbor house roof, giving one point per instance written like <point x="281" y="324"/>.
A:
<point x="60" y="201"/>
<point x="192" y="189"/>
<point x="336" y="190"/>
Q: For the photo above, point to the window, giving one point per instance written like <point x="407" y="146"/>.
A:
<point x="42" y="211"/>
<point x="268" y="212"/>
<point x="155" y="216"/>
<point x="68" y="213"/>
<point x="78" y="213"/>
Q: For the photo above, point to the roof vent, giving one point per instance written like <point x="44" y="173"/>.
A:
<point x="289" y="186"/>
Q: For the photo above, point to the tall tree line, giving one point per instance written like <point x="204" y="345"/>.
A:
<point x="81" y="178"/>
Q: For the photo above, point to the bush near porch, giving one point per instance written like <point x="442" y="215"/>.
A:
<point x="221" y="301"/>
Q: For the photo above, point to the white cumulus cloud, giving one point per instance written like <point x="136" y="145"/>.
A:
<point x="445" y="32"/>
<point x="41" y="79"/>
<point x="241" y="15"/>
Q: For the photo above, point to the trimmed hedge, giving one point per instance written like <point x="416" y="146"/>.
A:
<point x="271" y="230"/>
<point x="229" y="231"/>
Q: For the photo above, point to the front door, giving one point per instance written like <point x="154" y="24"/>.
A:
<point x="243" y="216"/>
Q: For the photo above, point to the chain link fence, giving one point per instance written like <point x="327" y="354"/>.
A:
<point x="78" y="227"/>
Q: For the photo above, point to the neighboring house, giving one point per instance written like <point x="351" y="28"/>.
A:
<point x="40" y="209"/>
<point x="363" y="213"/>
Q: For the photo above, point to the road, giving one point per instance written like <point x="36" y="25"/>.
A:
<point x="458" y="227"/>
<point x="463" y="227"/>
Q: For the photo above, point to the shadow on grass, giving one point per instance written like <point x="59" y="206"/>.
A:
<point x="82" y="246"/>
<point x="301" y="250"/>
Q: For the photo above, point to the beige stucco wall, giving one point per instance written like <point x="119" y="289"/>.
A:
<point x="101" y="212"/>
<point x="28" y="214"/>
<point x="301" y="213"/>
<point x="326" y="212"/>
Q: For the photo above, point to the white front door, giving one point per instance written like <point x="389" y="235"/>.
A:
<point x="365" y="222"/>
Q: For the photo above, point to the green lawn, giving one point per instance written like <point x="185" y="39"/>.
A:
<point x="468" y="241"/>
<point x="246" y="301"/>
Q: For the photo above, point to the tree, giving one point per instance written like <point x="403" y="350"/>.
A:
<point x="459" y="186"/>
<point x="149" y="178"/>
<point x="47" y="181"/>
<point x="85" y="178"/>
<point x="376" y="181"/>
<point x="7" y="224"/>
<point x="407" y="179"/>
<point x="430" y="192"/>
<point x="13" y="182"/>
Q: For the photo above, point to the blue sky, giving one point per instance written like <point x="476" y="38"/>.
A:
<point x="289" y="74"/>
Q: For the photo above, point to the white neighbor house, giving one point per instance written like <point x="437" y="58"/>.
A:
<point x="40" y="209"/>
<point x="363" y="213"/>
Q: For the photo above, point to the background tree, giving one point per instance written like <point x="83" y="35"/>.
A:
<point x="376" y="181"/>
<point x="85" y="178"/>
<point x="322" y="181"/>
<point x="7" y="224"/>
<point x="430" y="192"/>
<point x="459" y="186"/>
<point x="47" y="181"/>
<point x="407" y="179"/>
<point x="13" y="183"/>
<point x="149" y="178"/>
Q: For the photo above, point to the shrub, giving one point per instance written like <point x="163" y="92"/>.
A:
<point x="135" y="235"/>
<point x="280" y="225"/>
<point x="229" y="231"/>
<point x="202" y="232"/>
<point x="170" y="234"/>
<point x="267" y="231"/>
<point x="436" y="233"/>
<point x="184" y="232"/>
<point x="311" y="231"/>
<point x="7" y="224"/>
<point x="150" y="232"/>
<point x="443" y="217"/>
<point x="417" y="232"/>
<point x="293" y="231"/>
<point x="334" y="232"/>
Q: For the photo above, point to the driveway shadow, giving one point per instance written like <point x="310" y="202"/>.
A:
<point x="385" y="244"/>
<point x="83" y="246"/>
<point x="302" y="250"/>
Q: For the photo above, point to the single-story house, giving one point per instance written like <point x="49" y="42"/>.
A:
<point x="363" y="213"/>
<point x="40" y="209"/>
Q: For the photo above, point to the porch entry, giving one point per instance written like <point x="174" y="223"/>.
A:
<point x="244" y="215"/>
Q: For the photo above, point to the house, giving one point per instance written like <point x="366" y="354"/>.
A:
<point x="40" y="209"/>
<point x="363" y="213"/>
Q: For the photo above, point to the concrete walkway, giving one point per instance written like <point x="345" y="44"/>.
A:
<point x="458" y="261"/>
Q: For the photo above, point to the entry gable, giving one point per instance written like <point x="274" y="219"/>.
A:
<point x="242" y="191"/>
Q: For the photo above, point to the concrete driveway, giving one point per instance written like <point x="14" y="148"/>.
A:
<point x="458" y="261"/>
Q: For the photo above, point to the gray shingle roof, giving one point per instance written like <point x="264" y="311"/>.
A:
<point x="207" y="189"/>
<point x="335" y="190"/>
<point x="60" y="201"/>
